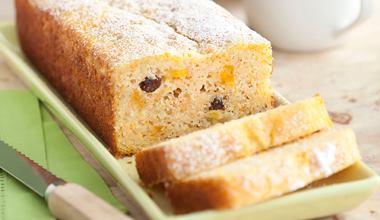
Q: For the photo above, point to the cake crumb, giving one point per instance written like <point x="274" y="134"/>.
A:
<point x="340" y="118"/>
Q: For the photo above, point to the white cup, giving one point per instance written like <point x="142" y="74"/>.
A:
<point x="306" y="25"/>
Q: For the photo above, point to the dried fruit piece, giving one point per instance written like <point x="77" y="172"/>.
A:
<point x="216" y="104"/>
<point x="214" y="115"/>
<point x="137" y="99"/>
<point x="227" y="75"/>
<point x="176" y="74"/>
<point x="150" y="84"/>
<point x="158" y="129"/>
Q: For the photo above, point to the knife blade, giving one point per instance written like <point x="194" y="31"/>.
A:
<point x="25" y="170"/>
<point x="65" y="200"/>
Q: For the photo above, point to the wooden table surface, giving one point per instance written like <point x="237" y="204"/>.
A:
<point x="348" y="77"/>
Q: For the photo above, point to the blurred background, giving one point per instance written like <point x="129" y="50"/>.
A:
<point x="344" y="67"/>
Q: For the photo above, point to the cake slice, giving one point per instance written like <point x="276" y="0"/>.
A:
<point x="266" y="175"/>
<point x="212" y="147"/>
<point x="140" y="71"/>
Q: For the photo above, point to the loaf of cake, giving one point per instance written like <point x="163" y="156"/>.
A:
<point x="205" y="149"/>
<point x="266" y="175"/>
<point x="142" y="71"/>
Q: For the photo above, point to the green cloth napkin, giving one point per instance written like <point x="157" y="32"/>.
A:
<point x="27" y="126"/>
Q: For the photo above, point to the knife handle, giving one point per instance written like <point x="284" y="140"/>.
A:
<point x="72" y="201"/>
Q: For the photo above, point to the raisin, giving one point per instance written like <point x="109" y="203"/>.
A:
<point x="150" y="84"/>
<point x="216" y="104"/>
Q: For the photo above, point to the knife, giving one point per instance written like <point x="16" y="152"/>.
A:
<point x="65" y="200"/>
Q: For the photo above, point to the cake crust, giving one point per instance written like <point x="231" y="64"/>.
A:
<point x="66" y="63"/>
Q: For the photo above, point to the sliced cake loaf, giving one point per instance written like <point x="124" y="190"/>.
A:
<point x="142" y="71"/>
<point x="268" y="174"/>
<point x="212" y="147"/>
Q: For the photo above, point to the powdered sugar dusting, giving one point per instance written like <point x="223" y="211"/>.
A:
<point x="325" y="158"/>
<point x="190" y="158"/>
<point x="126" y="30"/>
<point x="204" y="22"/>
<point x="116" y="34"/>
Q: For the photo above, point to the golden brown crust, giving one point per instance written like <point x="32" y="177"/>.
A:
<point x="145" y="161"/>
<point x="210" y="193"/>
<point x="64" y="62"/>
